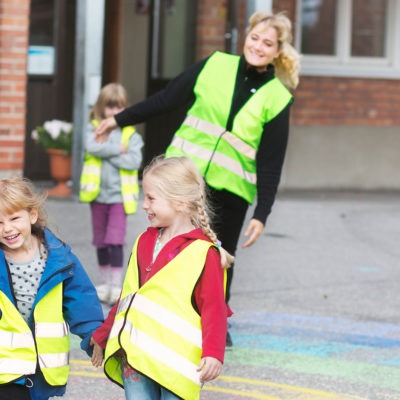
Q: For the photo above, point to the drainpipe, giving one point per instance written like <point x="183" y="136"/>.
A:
<point x="88" y="73"/>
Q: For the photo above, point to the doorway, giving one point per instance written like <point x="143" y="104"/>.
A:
<point x="172" y="50"/>
<point x="50" y="75"/>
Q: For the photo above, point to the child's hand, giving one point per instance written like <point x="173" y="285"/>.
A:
<point x="226" y="259"/>
<point x="210" y="368"/>
<point x="97" y="357"/>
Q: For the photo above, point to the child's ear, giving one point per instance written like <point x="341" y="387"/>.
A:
<point x="181" y="206"/>
<point x="33" y="215"/>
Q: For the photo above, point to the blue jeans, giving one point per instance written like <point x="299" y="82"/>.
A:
<point x="140" y="387"/>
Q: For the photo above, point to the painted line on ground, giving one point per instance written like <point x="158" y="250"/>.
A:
<point x="80" y="365"/>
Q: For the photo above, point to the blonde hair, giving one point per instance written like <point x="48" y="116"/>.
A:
<point x="111" y="95"/>
<point x="178" y="179"/>
<point x="18" y="193"/>
<point x="287" y="64"/>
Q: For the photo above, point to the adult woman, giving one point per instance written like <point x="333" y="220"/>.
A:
<point x="237" y="127"/>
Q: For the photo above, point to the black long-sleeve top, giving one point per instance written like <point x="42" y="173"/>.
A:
<point x="272" y="148"/>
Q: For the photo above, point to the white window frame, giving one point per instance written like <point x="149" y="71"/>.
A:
<point x="342" y="64"/>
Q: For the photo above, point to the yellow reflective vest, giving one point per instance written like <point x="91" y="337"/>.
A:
<point x="227" y="160"/>
<point x="91" y="176"/>
<point x="20" y="350"/>
<point x="157" y="325"/>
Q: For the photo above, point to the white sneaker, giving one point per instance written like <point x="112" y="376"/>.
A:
<point x="115" y="292"/>
<point x="103" y="291"/>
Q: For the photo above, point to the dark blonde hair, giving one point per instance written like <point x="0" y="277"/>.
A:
<point x="111" y="95"/>
<point x="18" y="193"/>
<point x="178" y="179"/>
<point x="287" y="64"/>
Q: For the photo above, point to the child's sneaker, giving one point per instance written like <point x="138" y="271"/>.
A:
<point x="103" y="291"/>
<point x="114" y="295"/>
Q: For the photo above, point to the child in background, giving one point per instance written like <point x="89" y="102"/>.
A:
<point x="109" y="182"/>
<point x="166" y="336"/>
<point x="44" y="294"/>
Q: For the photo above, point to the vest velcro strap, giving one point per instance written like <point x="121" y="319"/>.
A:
<point x="51" y="329"/>
<point x="53" y="360"/>
<point x="16" y="366"/>
<point x="164" y="354"/>
<point x="168" y="319"/>
<point x="216" y="130"/>
<point x="16" y="340"/>
<point x="207" y="155"/>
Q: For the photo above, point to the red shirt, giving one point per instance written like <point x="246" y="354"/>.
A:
<point x="209" y="299"/>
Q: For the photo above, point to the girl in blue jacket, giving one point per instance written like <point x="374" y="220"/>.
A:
<point x="45" y="293"/>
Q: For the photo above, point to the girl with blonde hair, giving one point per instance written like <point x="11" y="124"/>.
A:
<point x="109" y="183"/>
<point x="166" y="336"/>
<point x="44" y="293"/>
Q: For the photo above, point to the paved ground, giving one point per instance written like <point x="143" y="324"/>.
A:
<point x="316" y="302"/>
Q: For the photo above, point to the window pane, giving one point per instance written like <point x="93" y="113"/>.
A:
<point x="318" y="27"/>
<point x="368" y="28"/>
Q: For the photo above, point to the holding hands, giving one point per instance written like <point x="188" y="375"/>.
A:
<point x="98" y="354"/>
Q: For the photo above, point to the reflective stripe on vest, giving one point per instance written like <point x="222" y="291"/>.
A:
<point x="17" y="346"/>
<point x="91" y="177"/>
<point x="218" y="131"/>
<point x="52" y="337"/>
<point x="159" y="329"/>
<point x="227" y="160"/>
<point x="187" y="147"/>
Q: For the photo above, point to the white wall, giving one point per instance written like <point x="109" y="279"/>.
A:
<point x="342" y="158"/>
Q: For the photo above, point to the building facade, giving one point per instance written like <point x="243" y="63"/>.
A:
<point x="345" y="124"/>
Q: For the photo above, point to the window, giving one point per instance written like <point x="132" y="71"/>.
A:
<point x="358" y="38"/>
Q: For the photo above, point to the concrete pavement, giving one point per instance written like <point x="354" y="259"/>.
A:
<point x="316" y="301"/>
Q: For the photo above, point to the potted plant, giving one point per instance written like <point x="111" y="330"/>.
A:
<point x="55" y="137"/>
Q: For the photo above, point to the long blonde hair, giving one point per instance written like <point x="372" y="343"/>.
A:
<point x="111" y="95"/>
<point x="287" y="64"/>
<point x="177" y="179"/>
<point x="18" y="193"/>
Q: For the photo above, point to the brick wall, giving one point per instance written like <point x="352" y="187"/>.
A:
<point x="210" y="27"/>
<point x="347" y="101"/>
<point x="14" y="34"/>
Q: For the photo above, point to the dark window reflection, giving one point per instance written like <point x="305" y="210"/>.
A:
<point x="318" y="27"/>
<point x="368" y="28"/>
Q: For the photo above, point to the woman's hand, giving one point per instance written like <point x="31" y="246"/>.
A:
<point x="97" y="357"/>
<point x="253" y="232"/>
<point x="104" y="129"/>
<point x="210" y="368"/>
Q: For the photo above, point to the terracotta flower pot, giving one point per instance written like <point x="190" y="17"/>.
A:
<point x="61" y="172"/>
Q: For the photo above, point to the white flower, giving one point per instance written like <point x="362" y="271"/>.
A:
<point x="55" y="127"/>
<point x="35" y="135"/>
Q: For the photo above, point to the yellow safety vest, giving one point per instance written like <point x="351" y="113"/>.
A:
<point x="157" y="325"/>
<point x="227" y="159"/>
<point x="18" y="354"/>
<point x="91" y="176"/>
